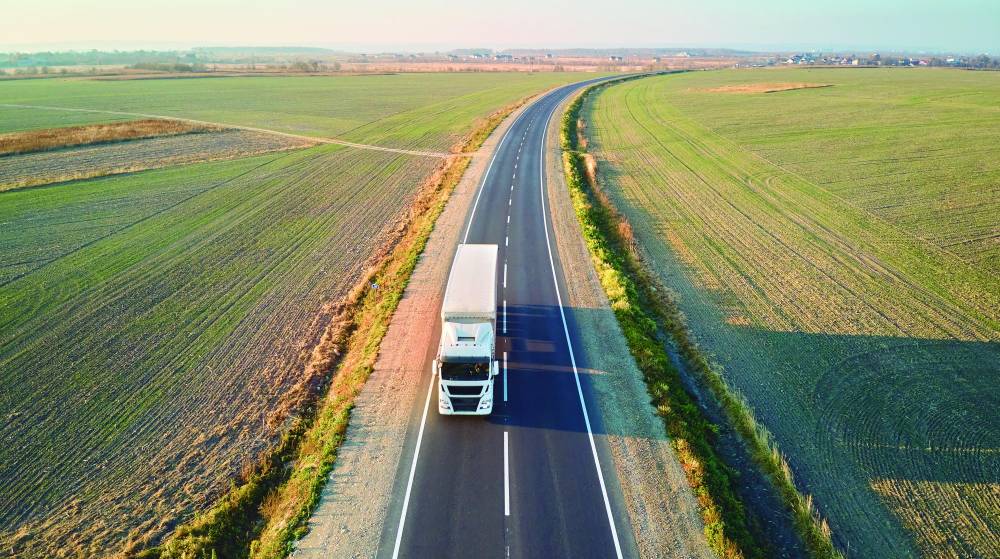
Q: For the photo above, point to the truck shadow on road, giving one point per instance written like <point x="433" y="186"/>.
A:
<point x="542" y="390"/>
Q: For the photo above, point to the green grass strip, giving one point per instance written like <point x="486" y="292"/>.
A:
<point x="647" y="314"/>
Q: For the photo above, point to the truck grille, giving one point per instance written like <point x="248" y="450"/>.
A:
<point x="465" y="404"/>
<point x="464" y="390"/>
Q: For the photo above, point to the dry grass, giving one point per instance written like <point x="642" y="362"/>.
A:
<point x="56" y="138"/>
<point x="766" y="87"/>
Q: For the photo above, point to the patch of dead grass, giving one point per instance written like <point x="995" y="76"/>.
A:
<point x="766" y="87"/>
<point x="89" y="134"/>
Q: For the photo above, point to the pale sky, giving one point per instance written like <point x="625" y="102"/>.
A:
<point x="935" y="25"/>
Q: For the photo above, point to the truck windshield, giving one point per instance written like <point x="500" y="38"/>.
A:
<point x="465" y="371"/>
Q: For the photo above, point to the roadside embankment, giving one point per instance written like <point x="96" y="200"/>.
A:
<point x="663" y="511"/>
<point x="270" y="509"/>
<point x="679" y="376"/>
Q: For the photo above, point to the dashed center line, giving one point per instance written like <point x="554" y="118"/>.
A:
<point x="506" y="477"/>
<point x="505" y="316"/>
<point x="505" y="376"/>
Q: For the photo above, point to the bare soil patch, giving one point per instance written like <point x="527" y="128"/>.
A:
<point x="88" y="161"/>
<point x="766" y="87"/>
<point x="55" y="138"/>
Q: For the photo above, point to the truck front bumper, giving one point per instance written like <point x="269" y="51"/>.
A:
<point x="478" y="408"/>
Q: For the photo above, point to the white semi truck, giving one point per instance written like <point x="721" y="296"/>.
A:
<point x="466" y="359"/>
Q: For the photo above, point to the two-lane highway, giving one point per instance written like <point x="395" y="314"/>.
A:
<point x="531" y="480"/>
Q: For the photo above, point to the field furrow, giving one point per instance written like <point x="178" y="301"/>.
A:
<point x="831" y="248"/>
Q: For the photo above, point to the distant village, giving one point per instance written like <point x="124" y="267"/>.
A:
<point x="875" y="59"/>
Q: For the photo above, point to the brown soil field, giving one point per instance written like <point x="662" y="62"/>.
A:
<point x="766" y="87"/>
<point x="55" y="138"/>
<point x="88" y="161"/>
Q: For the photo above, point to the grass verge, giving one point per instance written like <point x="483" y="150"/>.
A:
<point x="269" y="511"/>
<point x="650" y="320"/>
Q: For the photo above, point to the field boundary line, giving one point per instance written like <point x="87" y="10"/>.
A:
<point x="313" y="139"/>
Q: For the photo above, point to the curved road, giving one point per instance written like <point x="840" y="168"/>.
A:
<point x="534" y="479"/>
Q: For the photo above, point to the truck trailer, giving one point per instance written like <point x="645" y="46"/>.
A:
<point x="466" y="359"/>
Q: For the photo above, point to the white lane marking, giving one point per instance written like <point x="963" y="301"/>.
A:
<point x="506" y="241"/>
<point x="413" y="470"/>
<point x="506" y="478"/>
<point x="505" y="376"/>
<point x="513" y="177"/>
<point x="482" y="185"/>
<point x="505" y="275"/>
<point x="510" y="202"/>
<point x="569" y="343"/>
<point x="505" y="316"/>
<point x="508" y="219"/>
<point x="430" y="389"/>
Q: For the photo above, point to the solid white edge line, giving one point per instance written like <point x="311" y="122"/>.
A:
<point x="482" y="185"/>
<point x="569" y="342"/>
<point x="505" y="376"/>
<point x="413" y="469"/>
<point x="506" y="478"/>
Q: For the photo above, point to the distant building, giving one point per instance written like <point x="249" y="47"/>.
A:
<point x="616" y="58"/>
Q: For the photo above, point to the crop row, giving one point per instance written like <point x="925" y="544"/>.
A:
<point x="912" y="148"/>
<point x="870" y="353"/>
<point x="418" y="111"/>
<point x="153" y="362"/>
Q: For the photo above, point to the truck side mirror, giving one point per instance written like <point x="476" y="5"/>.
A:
<point x="434" y="367"/>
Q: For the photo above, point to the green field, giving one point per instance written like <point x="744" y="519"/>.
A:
<point x="836" y="250"/>
<point x="155" y="326"/>
<point x="421" y="111"/>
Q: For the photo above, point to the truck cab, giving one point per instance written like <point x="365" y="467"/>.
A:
<point x="466" y="359"/>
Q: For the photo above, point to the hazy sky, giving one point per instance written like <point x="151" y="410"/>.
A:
<point x="955" y="25"/>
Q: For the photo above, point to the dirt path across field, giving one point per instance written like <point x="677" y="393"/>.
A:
<point x="313" y="139"/>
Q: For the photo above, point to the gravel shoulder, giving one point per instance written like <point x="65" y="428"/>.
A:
<point x="661" y="507"/>
<point x="349" y="519"/>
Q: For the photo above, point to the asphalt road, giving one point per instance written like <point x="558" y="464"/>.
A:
<point x="535" y="478"/>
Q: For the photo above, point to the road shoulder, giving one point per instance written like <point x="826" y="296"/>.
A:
<point x="662" y="509"/>
<point x="349" y="520"/>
